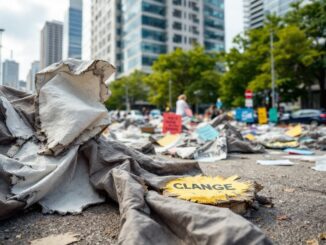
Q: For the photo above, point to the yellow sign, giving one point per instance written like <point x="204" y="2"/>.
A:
<point x="168" y="139"/>
<point x="250" y="137"/>
<point x="262" y="115"/>
<point x="295" y="131"/>
<point x="282" y="145"/>
<point x="210" y="190"/>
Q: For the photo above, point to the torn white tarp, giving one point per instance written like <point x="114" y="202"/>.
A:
<point x="15" y="124"/>
<point x="70" y="103"/>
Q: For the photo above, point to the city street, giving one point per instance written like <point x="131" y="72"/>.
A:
<point x="298" y="215"/>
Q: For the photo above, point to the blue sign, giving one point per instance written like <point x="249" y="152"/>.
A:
<point x="207" y="133"/>
<point x="245" y="115"/>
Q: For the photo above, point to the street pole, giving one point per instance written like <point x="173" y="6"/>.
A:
<point x="127" y="99"/>
<point x="170" y="94"/>
<point x="272" y="70"/>
<point x="1" y="31"/>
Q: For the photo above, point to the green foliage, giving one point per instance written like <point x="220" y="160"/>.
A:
<point x="133" y="84"/>
<point x="298" y="55"/>
<point x="192" y="72"/>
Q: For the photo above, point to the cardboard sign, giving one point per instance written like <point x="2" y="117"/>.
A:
<point x="273" y="115"/>
<point x="209" y="190"/>
<point x="262" y="115"/>
<point x="207" y="133"/>
<point x="168" y="139"/>
<point x="172" y="123"/>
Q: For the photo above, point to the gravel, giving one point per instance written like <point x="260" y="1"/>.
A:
<point x="298" y="215"/>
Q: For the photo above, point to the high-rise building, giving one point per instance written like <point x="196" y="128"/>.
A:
<point x="30" y="79"/>
<point x="132" y="34"/>
<point x="10" y="71"/>
<point x="72" y="31"/>
<point x="51" y="43"/>
<point x="255" y="11"/>
<point x="254" y="15"/>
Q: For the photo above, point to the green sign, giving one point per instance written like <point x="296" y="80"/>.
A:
<point x="273" y="115"/>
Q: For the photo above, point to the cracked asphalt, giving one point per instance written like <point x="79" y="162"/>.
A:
<point x="298" y="215"/>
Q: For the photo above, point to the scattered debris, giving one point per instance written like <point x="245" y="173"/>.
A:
<point x="320" y="165"/>
<point x="312" y="242"/>
<point x="282" y="217"/>
<point x="60" y="239"/>
<point x="284" y="162"/>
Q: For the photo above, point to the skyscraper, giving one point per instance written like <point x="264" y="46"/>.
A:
<point x="132" y="34"/>
<point x="10" y="71"/>
<point x="30" y="79"/>
<point x="255" y="11"/>
<point x="51" y="43"/>
<point x="72" y="38"/>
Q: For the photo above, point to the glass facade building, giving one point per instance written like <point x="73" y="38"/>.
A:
<point x="73" y="30"/>
<point x="10" y="70"/>
<point x="255" y="10"/>
<point x="147" y="28"/>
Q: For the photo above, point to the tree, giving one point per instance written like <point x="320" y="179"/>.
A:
<point x="249" y="63"/>
<point x="311" y="19"/>
<point x="192" y="72"/>
<point x="133" y="85"/>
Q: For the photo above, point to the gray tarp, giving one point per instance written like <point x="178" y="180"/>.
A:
<point x="64" y="165"/>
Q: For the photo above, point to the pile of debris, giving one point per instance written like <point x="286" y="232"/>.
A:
<point x="55" y="152"/>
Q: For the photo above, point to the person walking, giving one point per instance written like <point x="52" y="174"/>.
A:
<point x="183" y="108"/>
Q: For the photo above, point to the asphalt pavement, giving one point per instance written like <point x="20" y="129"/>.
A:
<point x="298" y="214"/>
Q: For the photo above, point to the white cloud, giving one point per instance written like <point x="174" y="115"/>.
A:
<point x="22" y="21"/>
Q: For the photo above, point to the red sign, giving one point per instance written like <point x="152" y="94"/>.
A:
<point x="248" y="94"/>
<point x="172" y="123"/>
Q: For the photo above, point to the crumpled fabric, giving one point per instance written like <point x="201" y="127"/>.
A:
<point x="235" y="141"/>
<point x="65" y="172"/>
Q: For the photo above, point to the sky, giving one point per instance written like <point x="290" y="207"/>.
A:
<point x="24" y="19"/>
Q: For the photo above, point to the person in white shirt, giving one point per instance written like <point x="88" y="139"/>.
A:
<point x="182" y="106"/>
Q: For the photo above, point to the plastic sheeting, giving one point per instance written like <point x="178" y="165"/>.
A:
<point x="65" y="164"/>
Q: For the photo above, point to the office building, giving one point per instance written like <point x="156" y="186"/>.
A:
<point x="255" y="11"/>
<point x="72" y="30"/>
<point x="132" y="34"/>
<point x="30" y="79"/>
<point x="51" y="43"/>
<point x="10" y="71"/>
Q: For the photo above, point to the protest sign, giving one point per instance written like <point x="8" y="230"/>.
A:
<point x="247" y="115"/>
<point x="225" y="192"/>
<point x="262" y="115"/>
<point x="172" y="123"/>
<point x="273" y="115"/>
<point x="207" y="133"/>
